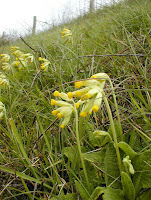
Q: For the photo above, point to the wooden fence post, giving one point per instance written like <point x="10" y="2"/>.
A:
<point x="92" y="2"/>
<point x="34" y="25"/>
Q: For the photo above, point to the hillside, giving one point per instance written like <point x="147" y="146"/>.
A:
<point x="75" y="109"/>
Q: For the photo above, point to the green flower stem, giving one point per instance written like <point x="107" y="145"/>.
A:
<point x="117" y="112"/>
<point x="79" y="148"/>
<point x="113" y="132"/>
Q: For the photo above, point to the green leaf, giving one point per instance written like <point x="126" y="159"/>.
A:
<point x="102" y="136"/>
<point x="72" y="154"/>
<point x="95" y="157"/>
<point x="111" y="167"/>
<point x="65" y="197"/>
<point x="113" y="194"/>
<point x="142" y="166"/>
<point x="93" y="140"/>
<point x="96" y="193"/>
<point x="84" y="195"/>
<point x="128" y="187"/>
<point x="91" y="172"/>
<point x="127" y="149"/>
<point x="146" y="195"/>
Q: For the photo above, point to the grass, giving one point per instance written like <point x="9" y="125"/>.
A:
<point x="38" y="159"/>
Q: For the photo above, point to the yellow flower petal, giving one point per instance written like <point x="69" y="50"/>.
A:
<point x="78" y="84"/>
<point x="77" y="105"/>
<point x="95" y="108"/>
<point x="54" y="112"/>
<point x="62" y="126"/>
<point x="53" y="102"/>
<point x="83" y="114"/>
<point x="59" y="115"/>
<point x="56" y="94"/>
<point x="70" y="95"/>
<point x="87" y="95"/>
<point x="78" y="93"/>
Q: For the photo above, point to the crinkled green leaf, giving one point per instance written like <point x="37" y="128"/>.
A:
<point x="128" y="187"/>
<point x="84" y="195"/>
<point x="142" y="166"/>
<point x="93" y="140"/>
<point x="97" y="193"/>
<point x="146" y="195"/>
<point x="72" y="154"/>
<point x="111" y="167"/>
<point x="113" y="194"/>
<point x="93" y="176"/>
<point x="95" y="157"/>
<point x="127" y="149"/>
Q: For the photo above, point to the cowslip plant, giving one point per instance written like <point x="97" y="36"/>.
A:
<point x="3" y="80"/>
<point x="21" y="58"/>
<point x="91" y="96"/>
<point x="45" y="63"/>
<point x="66" y="33"/>
<point x="90" y="99"/>
<point x="2" y="109"/>
<point x="5" y="62"/>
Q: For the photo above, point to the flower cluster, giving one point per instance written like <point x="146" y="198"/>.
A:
<point x="2" y="109"/>
<point x="45" y="64"/>
<point x="3" y="80"/>
<point x="90" y="96"/>
<point x="66" y="33"/>
<point x="21" y="58"/>
<point x="65" y="109"/>
<point x="5" y="62"/>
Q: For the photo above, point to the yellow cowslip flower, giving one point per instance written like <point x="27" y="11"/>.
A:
<point x="70" y="95"/>
<point x="78" y="84"/>
<point x="2" y="109"/>
<point x="54" y="112"/>
<point x="56" y="94"/>
<point x="95" y="108"/>
<point x="78" y="93"/>
<point x="45" y="64"/>
<point x="20" y="63"/>
<point x="14" y="48"/>
<point x="5" y="58"/>
<point x="29" y="57"/>
<point x="86" y="108"/>
<point x="65" y="111"/>
<point x="62" y="95"/>
<point x="91" y="94"/>
<point x="66" y="33"/>
<point x="53" y="102"/>
<point x="6" y="66"/>
<point x="83" y="114"/>
<point x="3" y="80"/>
<point x="17" y="53"/>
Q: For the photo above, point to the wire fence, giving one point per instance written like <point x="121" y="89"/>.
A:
<point x="70" y="10"/>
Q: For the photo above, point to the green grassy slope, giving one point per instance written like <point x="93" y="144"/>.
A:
<point x="114" y="40"/>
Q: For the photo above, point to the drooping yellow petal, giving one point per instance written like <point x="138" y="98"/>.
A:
<point x="56" y="94"/>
